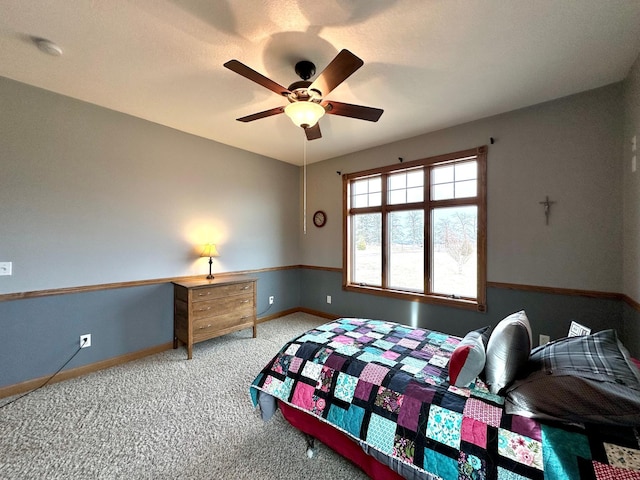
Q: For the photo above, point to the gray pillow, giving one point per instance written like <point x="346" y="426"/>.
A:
<point x="507" y="351"/>
<point x="586" y="379"/>
<point x="468" y="359"/>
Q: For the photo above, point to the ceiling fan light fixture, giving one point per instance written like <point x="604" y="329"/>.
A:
<point x="304" y="114"/>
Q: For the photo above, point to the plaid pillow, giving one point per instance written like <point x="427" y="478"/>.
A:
<point x="597" y="356"/>
<point x="586" y="379"/>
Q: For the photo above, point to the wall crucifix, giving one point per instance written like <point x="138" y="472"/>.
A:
<point x="547" y="208"/>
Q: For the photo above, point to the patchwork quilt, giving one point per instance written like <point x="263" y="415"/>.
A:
<point x="385" y="385"/>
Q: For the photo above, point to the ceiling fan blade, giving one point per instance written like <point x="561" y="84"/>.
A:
<point x="259" y="115"/>
<point x="313" y="133"/>
<point x="242" y="69"/>
<point x="354" y="111"/>
<point x="340" y="68"/>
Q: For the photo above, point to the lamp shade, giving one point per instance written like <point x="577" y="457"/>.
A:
<point x="209" y="250"/>
<point x="304" y="114"/>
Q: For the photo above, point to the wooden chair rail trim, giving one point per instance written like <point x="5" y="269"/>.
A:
<point x="557" y="291"/>
<point x="631" y="302"/>
<point x="137" y="283"/>
<point x="326" y="269"/>
<point x="134" y="283"/>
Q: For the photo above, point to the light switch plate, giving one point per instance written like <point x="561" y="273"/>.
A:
<point x="5" y="268"/>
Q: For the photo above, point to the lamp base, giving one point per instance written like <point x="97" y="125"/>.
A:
<point x="210" y="277"/>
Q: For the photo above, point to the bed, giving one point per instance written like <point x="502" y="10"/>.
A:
<point x="380" y="393"/>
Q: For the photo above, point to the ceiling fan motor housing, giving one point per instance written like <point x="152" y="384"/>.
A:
<point x="305" y="69"/>
<point x="300" y="89"/>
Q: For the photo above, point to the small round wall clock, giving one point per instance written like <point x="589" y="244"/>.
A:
<point x="319" y="218"/>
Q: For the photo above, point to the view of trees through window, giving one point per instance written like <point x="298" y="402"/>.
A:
<point x="455" y="250"/>
<point x="368" y="253"/>
<point x="406" y="256"/>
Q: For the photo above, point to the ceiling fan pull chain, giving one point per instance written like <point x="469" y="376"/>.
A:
<point x="304" y="185"/>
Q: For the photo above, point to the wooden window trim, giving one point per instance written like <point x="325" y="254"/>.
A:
<point x="479" y="303"/>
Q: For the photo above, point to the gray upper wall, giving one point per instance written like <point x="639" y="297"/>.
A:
<point x="92" y="196"/>
<point x="631" y="184"/>
<point x="568" y="149"/>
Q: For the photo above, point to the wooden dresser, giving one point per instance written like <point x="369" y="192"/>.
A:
<point x="204" y="309"/>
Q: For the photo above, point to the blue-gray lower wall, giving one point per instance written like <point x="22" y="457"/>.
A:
<point x="549" y="314"/>
<point x="40" y="334"/>
<point x="631" y="317"/>
<point x="283" y="285"/>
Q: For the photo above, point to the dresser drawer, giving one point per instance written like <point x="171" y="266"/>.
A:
<point x="208" y="293"/>
<point x="206" y="328"/>
<point x="211" y="307"/>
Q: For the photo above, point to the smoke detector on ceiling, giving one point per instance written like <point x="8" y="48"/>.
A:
<point x="48" y="47"/>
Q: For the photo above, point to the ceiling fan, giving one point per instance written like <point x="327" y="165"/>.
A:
<point x="306" y="99"/>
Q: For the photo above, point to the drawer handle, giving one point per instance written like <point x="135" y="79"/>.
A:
<point x="244" y="301"/>
<point x="244" y="318"/>
<point x="203" y="309"/>
<point x="204" y="294"/>
<point x="246" y="287"/>
<point x="203" y="327"/>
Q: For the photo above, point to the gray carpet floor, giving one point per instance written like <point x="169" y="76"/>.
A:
<point x="165" y="417"/>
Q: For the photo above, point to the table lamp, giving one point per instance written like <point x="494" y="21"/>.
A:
<point x="210" y="251"/>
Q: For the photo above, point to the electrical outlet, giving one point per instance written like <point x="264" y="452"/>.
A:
<point x="5" y="268"/>
<point x="271" y="299"/>
<point x="328" y="298"/>
<point x="544" y="339"/>
<point x="85" y="340"/>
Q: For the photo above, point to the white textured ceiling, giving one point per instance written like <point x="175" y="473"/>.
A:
<point x="429" y="64"/>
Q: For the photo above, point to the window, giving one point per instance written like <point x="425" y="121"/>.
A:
<point x="418" y="230"/>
